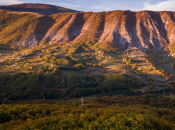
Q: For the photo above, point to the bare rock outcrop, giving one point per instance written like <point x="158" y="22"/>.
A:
<point x="144" y="29"/>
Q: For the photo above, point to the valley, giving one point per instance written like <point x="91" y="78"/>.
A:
<point x="66" y="69"/>
<point x="154" y="70"/>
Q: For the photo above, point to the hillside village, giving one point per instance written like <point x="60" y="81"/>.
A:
<point x="70" y="59"/>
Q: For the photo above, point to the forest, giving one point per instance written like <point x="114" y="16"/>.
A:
<point x="146" y="112"/>
<point x="22" y="86"/>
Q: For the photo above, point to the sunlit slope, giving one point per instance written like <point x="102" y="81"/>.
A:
<point x="144" y="29"/>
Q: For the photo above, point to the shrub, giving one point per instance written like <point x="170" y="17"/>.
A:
<point x="56" y="71"/>
<point x="62" y="61"/>
<point x="172" y="47"/>
<point x="79" y="66"/>
<point x="140" y="69"/>
<point x="89" y="64"/>
<point x="106" y="47"/>
<point x="95" y="65"/>
<point x="100" y="64"/>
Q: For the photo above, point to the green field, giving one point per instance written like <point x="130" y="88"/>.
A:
<point x="167" y="68"/>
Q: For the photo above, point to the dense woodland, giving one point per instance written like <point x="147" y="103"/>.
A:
<point x="48" y="86"/>
<point x="120" y="112"/>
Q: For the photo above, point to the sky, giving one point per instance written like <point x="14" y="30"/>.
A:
<point x="104" y="5"/>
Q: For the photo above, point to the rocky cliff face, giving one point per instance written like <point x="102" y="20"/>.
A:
<point x="144" y="29"/>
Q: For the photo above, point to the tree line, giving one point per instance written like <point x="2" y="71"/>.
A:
<point x="49" y="86"/>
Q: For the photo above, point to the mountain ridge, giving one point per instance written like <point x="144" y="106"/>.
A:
<point x="44" y="9"/>
<point x="144" y="29"/>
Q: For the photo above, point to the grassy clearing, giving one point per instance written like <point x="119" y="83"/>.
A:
<point x="154" y="74"/>
<point x="94" y="60"/>
<point x="118" y="68"/>
<point x="144" y="80"/>
<point x="157" y="77"/>
<point x="143" y="89"/>
<point x="160" y="85"/>
<point x="66" y="73"/>
<point x="92" y="71"/>
<point x="167" y="68"/>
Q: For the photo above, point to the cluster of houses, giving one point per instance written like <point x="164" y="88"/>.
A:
<point x="99" y="53"/>
<point x="18" y="66"/>
<point x="172" y="54"/>
<point x="24" y="54"/>
<point x="18" y="57"/>
<point x="12" y="66"/>
<point x="44" y="54"/>
<point x="132" y="56"/>
<point x="12" y="58"/>
<point x="2" y="60"/>
<point x="86" y="54"/>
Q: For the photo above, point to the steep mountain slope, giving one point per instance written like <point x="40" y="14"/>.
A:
<point x="23" y="29"/>
<point x="144" y="29"/>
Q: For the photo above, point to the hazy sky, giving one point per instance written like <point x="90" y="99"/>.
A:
<point x="104" y="5"/>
